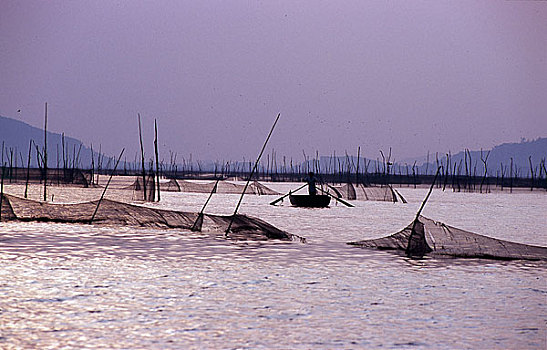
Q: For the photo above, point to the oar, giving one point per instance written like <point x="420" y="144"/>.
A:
<point x="335" y="190"/>
<point x="338" y="199"/>
<point x="281" y="198"/>
<point x="199" y="220"/>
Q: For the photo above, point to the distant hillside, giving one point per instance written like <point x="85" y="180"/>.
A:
<point x="16" y="135"/>
<point x="498" y="157"/>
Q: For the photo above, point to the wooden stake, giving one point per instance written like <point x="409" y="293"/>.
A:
<point x="199" y="220"/>
<point x="416" y="219"/>
<point x="28" y="167"/>
<point x="157" y="161"/>
<point x="2" y="190"/>
<point x="45" y="155"/>
<point x="105" y="188"/>
<point x="357" y="170"/>
<point x="251" y="176"/>
<point x="142" y="159"/>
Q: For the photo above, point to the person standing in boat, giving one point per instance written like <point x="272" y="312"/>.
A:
<point x="311" y="180"/>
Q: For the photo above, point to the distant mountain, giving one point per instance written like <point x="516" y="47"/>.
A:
<point x="498" y="158"/>
<point x="15" y="137"/>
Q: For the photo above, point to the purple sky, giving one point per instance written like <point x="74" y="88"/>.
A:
<point x="412" y="75"/>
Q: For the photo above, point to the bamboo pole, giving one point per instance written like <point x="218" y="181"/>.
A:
<point x="417" y="218"/>
<point x="142" y="159"/>
<point x="28" y="167"/>
<point x="45" y="155"/>
<point x="531" y="173"/>
<point x="251" y="175"/>
<point x="2" y="190"/>
<point x="157" y="161"/>
<point x="199" y="220"/>
<point x="105" y="188"/>
<point x="357" y="170"/>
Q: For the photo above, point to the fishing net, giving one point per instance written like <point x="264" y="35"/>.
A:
<point x="367" y="193"/>
<point x="68" y="176"/>
<point x="437" y="239"/>
<point x="258" y="188"/>
<point x="122" y="214"/>
<point x="171" y="186"/>
<point x="138" y="189"/>
<point x="222" y="187"/>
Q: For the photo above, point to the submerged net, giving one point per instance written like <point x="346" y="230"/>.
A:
<point x="437" y="239"/>
<point x="367" y="193"/>
<point x="123" y="214"/>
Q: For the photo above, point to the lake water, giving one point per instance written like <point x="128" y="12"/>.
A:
<point x="78" y="286"/>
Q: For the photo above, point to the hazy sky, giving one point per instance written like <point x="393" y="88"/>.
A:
<point x="412" y="75"/>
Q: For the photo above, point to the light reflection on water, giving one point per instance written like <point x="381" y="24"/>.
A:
<point x="79" y="286"/>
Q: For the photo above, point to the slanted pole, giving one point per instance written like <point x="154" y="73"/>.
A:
<point x="416" y="219"/>
<point x="199" y="220"/>
<point x="251" y="175"/>
<point x="105" y="188"/>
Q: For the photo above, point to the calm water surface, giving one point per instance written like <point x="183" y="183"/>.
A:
<point x="76" y="286"/>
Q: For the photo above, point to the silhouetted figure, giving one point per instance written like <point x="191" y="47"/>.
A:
<point x="311" y="180"/>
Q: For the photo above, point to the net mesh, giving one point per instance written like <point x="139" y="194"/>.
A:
<point x="68" y="176"/>
<point x="437" y="239"/>
<point x="171" y="186"/>
<point x="138" y="189"/>
<point x="222" y="187"/>
<point x="367" y="193"/>
<point x="117" y="213"/>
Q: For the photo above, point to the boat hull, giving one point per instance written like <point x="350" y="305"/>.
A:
<point x="309" y="201"/>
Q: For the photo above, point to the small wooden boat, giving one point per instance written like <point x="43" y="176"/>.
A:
<point x="309" y="201"/>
